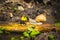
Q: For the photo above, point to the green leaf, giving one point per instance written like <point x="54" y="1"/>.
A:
<point x="30" y="29"/>
<point x="1" y="32"/>
<point x="14" y="8"/>
<point x="33" y="33"/>
<point x="26" y="34"/>
<point x="51" y="37"/>
<point x="13" y="38"/>
<point x="21" y="38"/>
<point x="57" y="24"/>
<point x="2" y="29"/>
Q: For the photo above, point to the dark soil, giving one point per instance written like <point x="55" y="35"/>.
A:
<point x="42" y="36"/>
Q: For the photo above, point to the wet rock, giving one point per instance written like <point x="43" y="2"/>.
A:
<point x="4" y="18"/>
<point x="20" y="8"/>
<point x="40" y="17"/>
<point x="43" y="36"/>
<point x="15" y="19"/>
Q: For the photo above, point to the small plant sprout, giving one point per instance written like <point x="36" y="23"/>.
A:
<point x="21" y="38"/>
<point x="13" y="38"/>
<point x="51" y="37"/>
